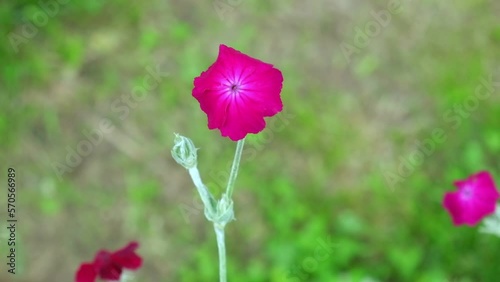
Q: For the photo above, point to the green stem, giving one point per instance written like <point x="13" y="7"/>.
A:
<point x="234" y="168"/>
<point x="221" y="245"/>
<point x="207" y="198"/>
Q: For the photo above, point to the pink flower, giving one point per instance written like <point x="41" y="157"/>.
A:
<point x="109" y="265"/>
<point x="237" y="92"/>
<point x="475" y="199"/>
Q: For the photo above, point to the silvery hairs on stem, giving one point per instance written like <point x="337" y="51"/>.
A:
<point x="184" y="153"/>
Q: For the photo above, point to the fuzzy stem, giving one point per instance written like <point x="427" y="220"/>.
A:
<point x="234" y="168"/>
<point x="221" y="245"/>
<point x="207" y="198"/>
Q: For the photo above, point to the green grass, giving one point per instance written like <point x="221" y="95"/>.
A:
<point x="319" y="175"/>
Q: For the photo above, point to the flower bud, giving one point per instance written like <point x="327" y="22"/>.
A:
<point x="184" y="151"/>
<point x="491" y="224"/>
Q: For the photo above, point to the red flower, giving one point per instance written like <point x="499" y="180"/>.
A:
<point x="109" y="265"/>
<point x="474" y="200"/>
<point x="237" y="92"/>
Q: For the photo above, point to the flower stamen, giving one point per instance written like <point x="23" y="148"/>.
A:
<point x="235" y="88"/>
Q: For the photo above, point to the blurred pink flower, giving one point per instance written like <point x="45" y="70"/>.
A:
<point x="475" y="199"/>
<point x="237" y="92"/>
<point x="109" y="265"/>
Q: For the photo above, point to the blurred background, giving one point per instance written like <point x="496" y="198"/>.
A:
<point x="386" y="104"/>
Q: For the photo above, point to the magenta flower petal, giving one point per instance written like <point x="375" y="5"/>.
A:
<point x="109" y="265"/>
<point x="237" y="92"/>
<point x="474" y="199"/>
<point x="86" y="273"/>
<point x="127" y="258"/>
<point x="108" y="269"/>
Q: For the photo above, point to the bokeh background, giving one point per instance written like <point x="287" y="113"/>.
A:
<point x="365" y="86"/>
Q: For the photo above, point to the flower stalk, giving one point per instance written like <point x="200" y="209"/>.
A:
<point x="235" y="167"/>
<point x="219" y="212"/>
<point x="221" y="246"/>
<point x="208" y="199"/>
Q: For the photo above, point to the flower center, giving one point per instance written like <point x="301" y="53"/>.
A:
<point x="467" y="192"/>
<point x="234" y="88"/>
